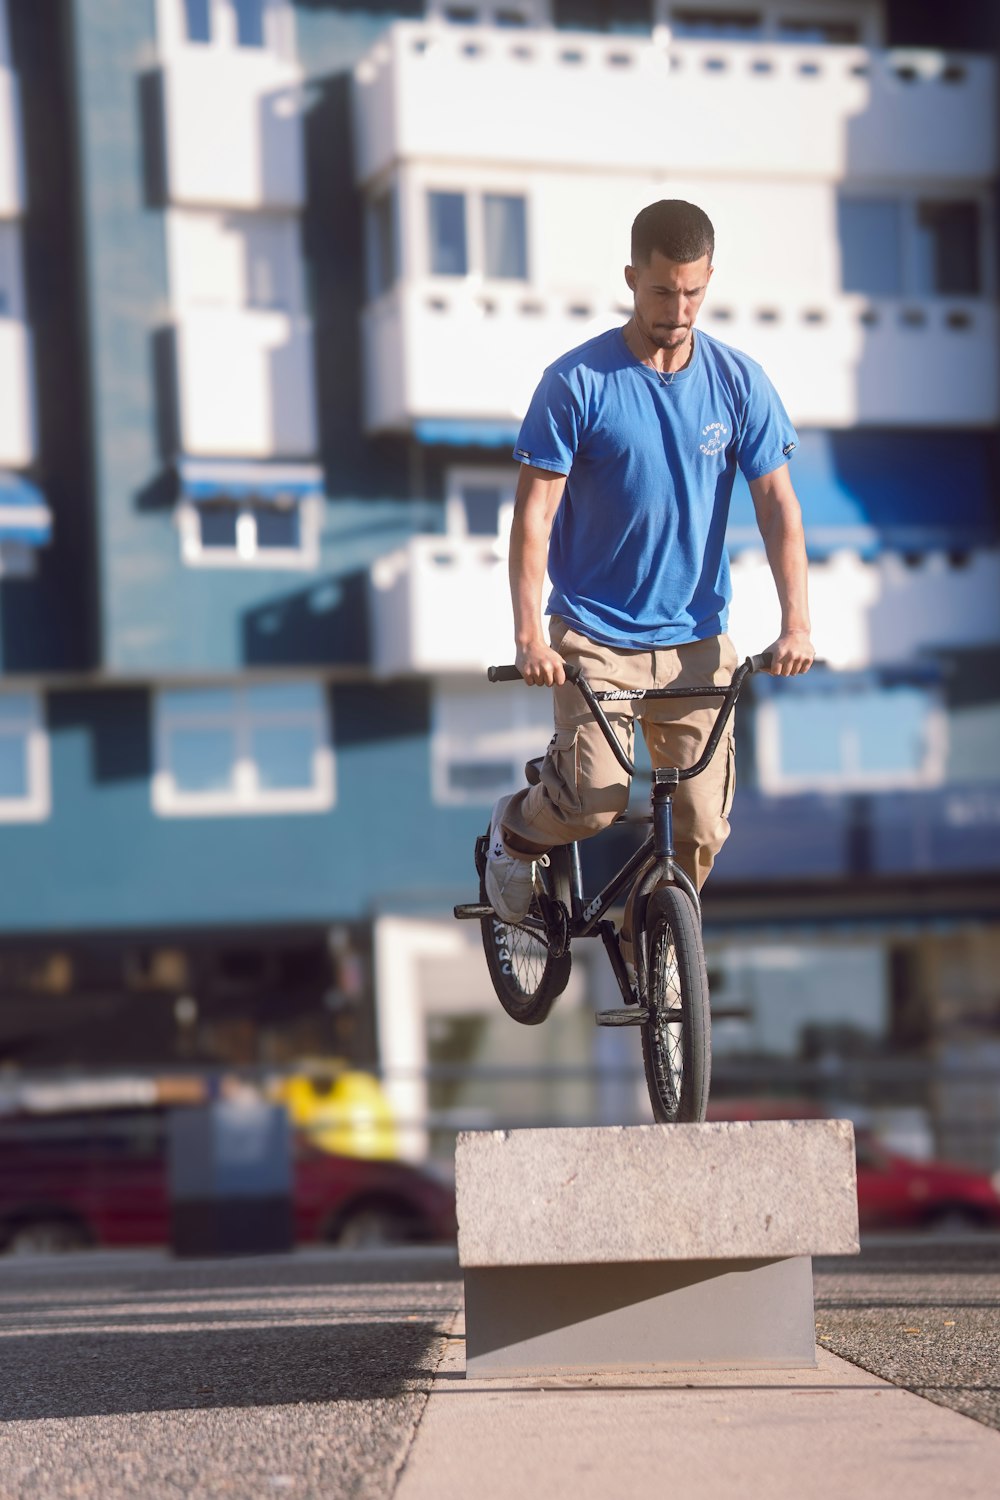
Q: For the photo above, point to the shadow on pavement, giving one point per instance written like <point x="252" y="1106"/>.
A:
<point x="112" y="1335"/>
<point x="74" y="1374"/>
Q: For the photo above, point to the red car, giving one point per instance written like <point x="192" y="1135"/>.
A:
<point x="101" y="1179"/>
<point x="894" y="1192"/>
<point x="897" y="1192"/>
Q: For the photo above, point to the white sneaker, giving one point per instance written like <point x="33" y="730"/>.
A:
<point x="510" y="882"/>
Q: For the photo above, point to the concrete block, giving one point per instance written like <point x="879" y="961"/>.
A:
<point x="649" y="1248"/>
<point x="750" y="1190"/>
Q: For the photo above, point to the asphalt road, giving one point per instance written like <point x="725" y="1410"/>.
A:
<point x="131" y="1375"/>
<point x="921" y="1313"/>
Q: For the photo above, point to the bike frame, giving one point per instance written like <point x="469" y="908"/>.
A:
<point x="656" y="859"/>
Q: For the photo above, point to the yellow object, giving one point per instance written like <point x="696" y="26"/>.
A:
<point x="347" y="1114"/>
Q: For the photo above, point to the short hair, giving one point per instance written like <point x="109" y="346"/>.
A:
<point x="680" y="231"/>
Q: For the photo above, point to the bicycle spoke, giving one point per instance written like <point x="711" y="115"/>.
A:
<point x="669" y="1016"/>
<point x="525" y="952"/>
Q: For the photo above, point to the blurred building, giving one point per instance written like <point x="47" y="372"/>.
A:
<point x="276" y="281"/>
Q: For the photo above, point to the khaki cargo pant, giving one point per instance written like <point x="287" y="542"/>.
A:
<point x="583" y="789"/>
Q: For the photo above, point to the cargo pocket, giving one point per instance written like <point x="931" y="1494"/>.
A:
<point x="561" y="770"/>
<point x="729" y="785"/>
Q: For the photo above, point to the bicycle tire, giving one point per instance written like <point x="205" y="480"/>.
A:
<point x="677" y="1038"/>
<point x="527" y="976"/>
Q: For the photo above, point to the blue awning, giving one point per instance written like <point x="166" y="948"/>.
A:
<point x="874" y="491"/>
<point x="204" y="480"/>
<point x="458" y="434"/>
<point x="24" y="515"/>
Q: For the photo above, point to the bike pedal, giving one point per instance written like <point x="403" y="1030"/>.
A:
<point x="472" y="911"/>
<point x="628" y="1015"/>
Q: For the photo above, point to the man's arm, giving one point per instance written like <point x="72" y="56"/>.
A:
<point x="538" y="495"/>
<point x="779" y="517"/>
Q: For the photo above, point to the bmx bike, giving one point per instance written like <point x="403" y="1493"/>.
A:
<point x="529" y="962"/>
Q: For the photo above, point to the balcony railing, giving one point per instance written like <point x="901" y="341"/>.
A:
<point x="232" y="130"/>
<point x="440" y="604"/>
<point x="11" y="186"/>
<point x="245" y="384"/>
<point x="17" y="404"/>
<point x="874" y="612"/>
<point x="837" y="363"/>
<point x="529" y="98"/>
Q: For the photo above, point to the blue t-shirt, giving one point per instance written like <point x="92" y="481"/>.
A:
<point x="637" y="556"/>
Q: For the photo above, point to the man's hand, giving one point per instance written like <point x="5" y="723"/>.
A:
<point x="791" y="654"/>
<point x="539" y="665"/>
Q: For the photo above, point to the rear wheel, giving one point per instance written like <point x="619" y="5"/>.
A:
<point x="677" y="1038"/>
<point x="527" y="976"/>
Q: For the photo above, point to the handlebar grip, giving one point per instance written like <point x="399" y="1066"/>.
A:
<point x="761" y="662"/>
<point x="511" y="674"/>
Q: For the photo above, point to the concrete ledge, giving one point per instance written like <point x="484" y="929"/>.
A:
<point x="611" y="1195"/>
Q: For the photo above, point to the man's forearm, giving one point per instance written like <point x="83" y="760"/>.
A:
<point x="785" y="547"/>
<point x="529" y="550"/>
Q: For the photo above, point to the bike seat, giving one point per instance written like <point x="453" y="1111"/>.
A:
<point x="533" y="770"/>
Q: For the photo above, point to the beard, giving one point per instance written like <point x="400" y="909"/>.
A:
<point x="669" y="338"/>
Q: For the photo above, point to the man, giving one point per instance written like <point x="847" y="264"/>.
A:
<point x="628" y="457"/>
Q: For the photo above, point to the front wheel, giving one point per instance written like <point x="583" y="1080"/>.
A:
<point x="527" y="976"/>
<point x="677" y="1038"/>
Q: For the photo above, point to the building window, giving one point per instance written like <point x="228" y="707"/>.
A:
<point x="852" y="737"/>
<point x="446" y="219"/>
<point x="383" y="263"/>
<point x="631" y="16"/>
<point x="248" y="533"/>
<point x="817" y="29"/>
<point x="481" y="738"/>
<point x="947" y="249"/>
<point x="530" y="13"/>
<point x="871" y="246"/>
<point x="11" y="300"/>
<point x="249" y="22"/>
<point x="25" y="795"/>
<point x="717" y="25"/>
<point x="486" y="233"/>
<point x="505" y="241"/>
<point x="197" y="20"/>
<point x="263" y="748"/>
<point x="898" y="247"/>
<point x="480" y="502"/>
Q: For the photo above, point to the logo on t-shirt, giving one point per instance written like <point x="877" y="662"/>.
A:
<point x="715" y="435"/>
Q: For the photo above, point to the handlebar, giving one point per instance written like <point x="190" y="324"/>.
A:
<point x="759" y="663"/>
<point x="511" y="674"/>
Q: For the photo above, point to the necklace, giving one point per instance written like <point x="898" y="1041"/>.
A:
<point x="667" y="381"/>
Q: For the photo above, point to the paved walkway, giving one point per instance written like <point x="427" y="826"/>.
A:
<point x="327" y="1376"/>
<point x="836" y="1433"/>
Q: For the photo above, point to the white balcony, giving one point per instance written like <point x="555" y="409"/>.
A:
<point x="245" y="385"/>
<point x="434" y="352"/>
<point x="875" y="613"/>
<point x="17" y="398"/>
<point x="440" y="604"/>
<point x="11" y="177"/>
<point x="232" y="130"/>
<point x="850" y="361"/>
<point x="563" y="100"/>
